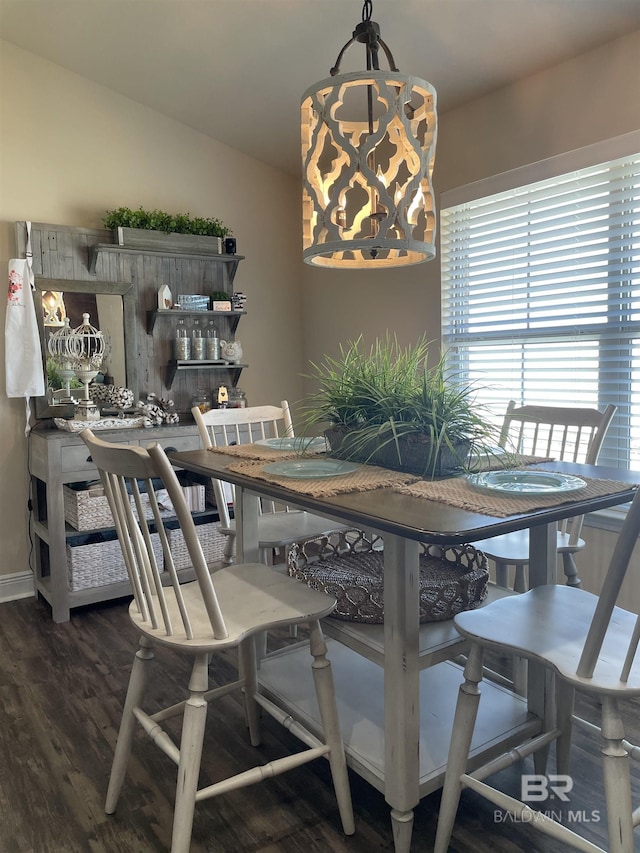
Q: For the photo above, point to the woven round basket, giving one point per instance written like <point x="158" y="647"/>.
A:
<point x="351" y="567"/>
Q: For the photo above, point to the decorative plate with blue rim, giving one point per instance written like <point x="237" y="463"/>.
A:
<point x="298" y="443"/>
<point x="310" y="469"/>
<point x="526" y="483"/>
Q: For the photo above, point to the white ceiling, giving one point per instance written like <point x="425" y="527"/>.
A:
<point x="235" y="69"/>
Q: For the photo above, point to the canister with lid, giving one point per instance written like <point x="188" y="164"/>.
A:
<point x="237" y="398"/>
<point x="182" y="342"/>
<point x="202" y="400"/>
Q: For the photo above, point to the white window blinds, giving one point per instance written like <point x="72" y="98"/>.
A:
<point x="541" y="295"/>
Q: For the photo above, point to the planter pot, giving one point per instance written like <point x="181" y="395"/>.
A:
<point x="415" y="455"/>
<point x="193" y="244"/>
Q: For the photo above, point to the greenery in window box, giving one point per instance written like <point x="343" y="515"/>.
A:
<point x="158" y="220"/>
<point x="389" y="407"/>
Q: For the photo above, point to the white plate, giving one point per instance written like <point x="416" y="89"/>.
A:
<point x="310" y="469"/>
<point x="297" y="443"/>
<point x="526" y="482"/>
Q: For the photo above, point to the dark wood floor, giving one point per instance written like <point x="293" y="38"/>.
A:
<point x="61" y="692"/>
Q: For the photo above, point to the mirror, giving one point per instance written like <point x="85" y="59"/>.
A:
<point x="112" y="309"/>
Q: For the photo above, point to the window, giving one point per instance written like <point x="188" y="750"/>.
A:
<point x="541" y="287"/>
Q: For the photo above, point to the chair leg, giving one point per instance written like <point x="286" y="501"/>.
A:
<point x="193" y="726"/>
<point x="570" y="570"/>
<point x="461" y="734"/>
<point x="617" y="779"/>
<point x="229" y="549"/>
<point x="135" y="695"/>
<point x="247" y="654"/>
<point x="520" y="582"/>
<point x="502" y="574"/>
<point x="564" y="714"/>
<point x="323" y="680"/>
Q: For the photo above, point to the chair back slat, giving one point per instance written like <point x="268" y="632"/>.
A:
<point x="128" y="474"/>
<point x="222" y="427"/>
<point x="561" y="432"/>
<point x="609" y="595"/>
<point x="112" y="493"/>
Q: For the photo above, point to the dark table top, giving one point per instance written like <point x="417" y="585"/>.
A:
<point x="413" y="517"/>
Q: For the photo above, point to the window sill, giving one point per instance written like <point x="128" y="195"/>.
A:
<point x="607" y="519"/>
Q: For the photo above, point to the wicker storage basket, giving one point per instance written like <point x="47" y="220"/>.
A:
<point x="97" y="560"/>
<point x="211" y="539"/>
<point x="88" y="508"/>
<point x="350" y="567"/>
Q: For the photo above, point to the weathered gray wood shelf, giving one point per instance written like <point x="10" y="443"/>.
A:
<point x="234" y="370"/>
<point x="152" y="316"/>
<point x="112" y="249"/>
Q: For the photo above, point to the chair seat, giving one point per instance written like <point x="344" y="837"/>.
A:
<point x="550" y="624"/>
<point x="278" y="529"/>
<point x="513" y="548"/>
<point x="253" y="597"/>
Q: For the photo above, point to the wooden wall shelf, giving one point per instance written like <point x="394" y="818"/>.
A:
<point x="99" y="249"/>
<point x="234" y="370"/>
<point x="152" y="316"/>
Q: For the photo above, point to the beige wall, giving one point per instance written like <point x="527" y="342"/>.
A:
<point x="70" y="150"/>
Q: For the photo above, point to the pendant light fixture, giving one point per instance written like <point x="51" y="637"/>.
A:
<point x="368" y="148"/>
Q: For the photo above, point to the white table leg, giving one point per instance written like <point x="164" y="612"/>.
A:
<point x="543" y="554"/>
<point x="246" y="516"/>
<point x="401" y="685"/>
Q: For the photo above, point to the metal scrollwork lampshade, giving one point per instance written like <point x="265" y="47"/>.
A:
<point x="368" y="150"/>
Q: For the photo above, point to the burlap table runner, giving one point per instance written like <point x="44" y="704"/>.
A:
<point x="269" y="454"/>
<point x="498" y="462"/>
<point x="364" y="479"/>
<point x="259" y="451"/>
<point x="460" y="493"/>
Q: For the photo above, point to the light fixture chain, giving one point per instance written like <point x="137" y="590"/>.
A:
<point x="367" y="10"/>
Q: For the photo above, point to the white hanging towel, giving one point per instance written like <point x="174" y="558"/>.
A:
<point x="23" y="355"/>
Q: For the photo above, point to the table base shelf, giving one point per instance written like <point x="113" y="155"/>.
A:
<point x="502" y="720"/>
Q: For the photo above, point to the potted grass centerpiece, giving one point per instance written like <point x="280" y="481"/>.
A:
<point x="389" y="407"/>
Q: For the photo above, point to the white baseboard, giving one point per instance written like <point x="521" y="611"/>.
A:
<point x="18" y="585"/>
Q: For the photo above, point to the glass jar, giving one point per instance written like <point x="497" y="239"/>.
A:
<point x="202" y="400"/>
<point x="198" y="352"/>
<point x="182" y="342"/>
<point x="237" y="398"/>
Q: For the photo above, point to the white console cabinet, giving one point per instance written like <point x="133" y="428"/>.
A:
<point x="56" y="458"/>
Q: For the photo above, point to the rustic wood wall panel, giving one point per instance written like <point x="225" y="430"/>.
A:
<point x="64" y="253"/>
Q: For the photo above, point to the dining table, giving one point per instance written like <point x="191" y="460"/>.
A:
<point x="397" y="682"/>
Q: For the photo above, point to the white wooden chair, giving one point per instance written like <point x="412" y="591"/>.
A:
<point x="276" y="529"/>
<point x="567" y="434"/>
<point x="219" y="611"/>
<point x="590" y="645"/>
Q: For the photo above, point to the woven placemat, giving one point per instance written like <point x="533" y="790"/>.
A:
<point x="259" y="451"/>
<point x="459" y="493"/>
<point x="498" y="462"/>
<point x="364" y="479"/>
